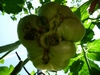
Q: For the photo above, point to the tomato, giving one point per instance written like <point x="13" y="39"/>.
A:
<point x="67" y="24"/>
<point x="49" y="36"/>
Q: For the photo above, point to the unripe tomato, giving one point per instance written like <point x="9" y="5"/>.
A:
<point x="67" y="24"/>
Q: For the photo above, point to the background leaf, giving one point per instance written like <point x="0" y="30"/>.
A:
<point x="94" y="46"/>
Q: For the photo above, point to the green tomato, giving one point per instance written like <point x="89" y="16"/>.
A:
<point x="62" y="19"/>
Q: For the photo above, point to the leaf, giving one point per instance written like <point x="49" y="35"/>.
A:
<point x="29" y="5"/>
<point x="12" y="8"/>
<point x="1" y="61"/>
<point x="4" y="70"/>
<point x="76" y="67"/>
<point x="25" y="10"/>
<point x="11" y="68"/>
<point x="93" y="64"/>
<point x="98" y="25"/>
<point x="88" y="36"/>
<point x="61" y="2"/>
<point x="82" y="11"/>
<point x="94" y="71"/>
<point x="94" y="46"/>
<point x="84" y="70"/>
<point x="33" y="73"/>
<point x="94" y="56"/>
<point x="9" y="47"/>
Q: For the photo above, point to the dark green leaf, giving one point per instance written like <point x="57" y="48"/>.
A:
<point x="76" y="67"/>
<point x="94" y="64"/>
<point x="98" y="25"/>
<point x="88" y="36"/>
<point x="12" y="8"/>
<point x="84" y="70"/>
<point x="29" y="5"/>
<point x="25" y="10"/>
<point x="13" y="17"/>
<point x="94" y="71"/>
<point x="94" y="56"/>
<point x="9" y="47"/>
<point x="60" y="1"/>
<point x="94" y="46"/>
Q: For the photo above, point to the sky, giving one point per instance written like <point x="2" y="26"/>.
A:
<point x="8" y="34"/>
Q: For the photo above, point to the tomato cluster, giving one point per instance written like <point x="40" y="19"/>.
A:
<point x="49" y="36"/>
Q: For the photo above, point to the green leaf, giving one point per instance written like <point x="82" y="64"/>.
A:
<point x="82" y="11"/>
<point x="88" y="36"/>
<point x="9" y="47"/>
<point x="93" y="64"/>
<point x="11" y="68"/>
<point x="33" y="73"/>
<point x="4" y="70"/>
<point x="94" y="56"/>
<point x="25" y="10"/>
<point x="1" y="61"/>
<point x="84" y="70"/>
<point x="61" y="2"/>
<point x="12" y="8"/>
<point x="94" y="46"/>
<point x="29" y="5"/>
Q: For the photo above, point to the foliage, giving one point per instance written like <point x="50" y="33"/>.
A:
<point x="84" y="61"/>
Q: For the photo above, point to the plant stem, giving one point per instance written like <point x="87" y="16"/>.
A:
<point x="9" y="47"/>
<point x="86" y="59"/>
<point x="5" y="54"/>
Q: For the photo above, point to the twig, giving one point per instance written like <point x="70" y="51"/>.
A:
<point x="86" y="59"/>
<point x="18" y="56"/>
